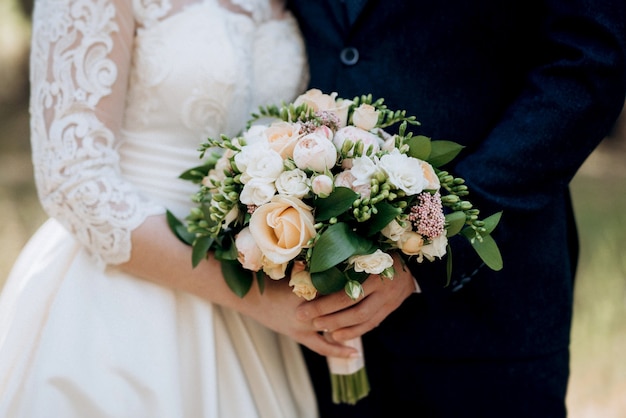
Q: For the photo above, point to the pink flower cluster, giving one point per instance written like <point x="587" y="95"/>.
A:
<point x="427" y="215"/>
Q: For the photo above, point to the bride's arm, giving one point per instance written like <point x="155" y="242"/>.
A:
<point x="80" y="62"/>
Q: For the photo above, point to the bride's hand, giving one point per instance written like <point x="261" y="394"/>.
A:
<point x="346" y="318"/>
<point x="276" y="309"/>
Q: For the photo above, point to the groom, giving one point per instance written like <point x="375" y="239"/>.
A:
<point x="529" y="88"/>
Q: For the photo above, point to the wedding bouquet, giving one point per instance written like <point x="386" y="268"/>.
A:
<point x="322" y="192"/>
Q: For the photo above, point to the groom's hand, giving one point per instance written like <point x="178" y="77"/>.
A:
<point x="345" y="318"/>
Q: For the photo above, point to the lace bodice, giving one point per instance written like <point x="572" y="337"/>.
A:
<point x="122" y="93"/>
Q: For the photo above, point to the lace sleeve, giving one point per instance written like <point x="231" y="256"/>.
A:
<point x="80" y="62"/>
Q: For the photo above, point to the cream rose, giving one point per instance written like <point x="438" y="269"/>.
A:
<point x="365" y="117"/>
<point x="293" y="183"/>
<point x="248" y="253"/>
<point x="315" y="152"/>
<point x="403" y="172"/>
<point x="411" y="243"/>
<point x="374" y="263"/>
<point x="322" y="185"/>
<point x="301" y="282"/>
<point x="318" y="101"/>
<point x="282" y="228"/>
<point x="436" y="248"/>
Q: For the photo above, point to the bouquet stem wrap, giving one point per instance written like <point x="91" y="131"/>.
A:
<point x="348" y="376"/>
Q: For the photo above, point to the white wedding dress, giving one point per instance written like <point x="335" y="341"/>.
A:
<point x="123" y="91"/>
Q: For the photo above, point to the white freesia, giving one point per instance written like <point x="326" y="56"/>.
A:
<point x="293" y="183"/>
<point x="257" y="191"/>
<point x="374" y="263"/>
<point x="363" y="169"/>
<point x="315" y="152"/>
<point x="259" y="161"/>
<point x="403" y="172"/>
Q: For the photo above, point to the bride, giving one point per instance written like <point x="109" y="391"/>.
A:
<point x="103" y="315"/>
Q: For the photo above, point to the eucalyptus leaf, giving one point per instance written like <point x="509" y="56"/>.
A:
<point x="492" y="221"/>
<point x="489" y="252"/>
<point x="335" y="245"/>
<point x="443" y="152"/>
<point x="329" y="281"/>
<point x="338" y="202"/>
<point x="419" y="147"/>
<point x="237" y="278"/>
<point x="455" y="221"/>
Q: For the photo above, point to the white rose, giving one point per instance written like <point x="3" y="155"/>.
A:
<point x="374" y="263"/>
<point x="293" y="183"/>
<point x="315" y="152"/>
<point x="259" y="161"/>
<point x="365" y="117"/>
<point x="403" y="172"/>
<point x="322" y="185"/>
<point x="301" y="282"/>
<point x="257" y="192"/>
<point x="248" y="253"/>
<point x="355" y="134"/>
<point x="282" y="228"/>
<point x="436" y="248"/>
<point x="393" y="230"/>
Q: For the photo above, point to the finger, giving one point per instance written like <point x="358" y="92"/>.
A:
<point x="327" y="347"/>
<point x="324" y="305"/>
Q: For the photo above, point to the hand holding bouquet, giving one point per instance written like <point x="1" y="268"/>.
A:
<point x="319" y="191"/>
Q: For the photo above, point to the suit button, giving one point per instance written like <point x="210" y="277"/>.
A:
<point x="349" y="56"/>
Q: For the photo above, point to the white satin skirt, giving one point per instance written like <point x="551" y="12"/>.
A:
<point x="76" y="341"/>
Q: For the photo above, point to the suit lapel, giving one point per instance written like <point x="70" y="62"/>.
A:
<point x="353" y="9"/>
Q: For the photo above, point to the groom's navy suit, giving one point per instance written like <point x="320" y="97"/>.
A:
<point x="529" y="88"/>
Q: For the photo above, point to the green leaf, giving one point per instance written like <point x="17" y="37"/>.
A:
<point x="339" y="201"/>
<point x="329" y="281"/>
<point x="200" y="248"/>
<point x="448" y="263"/>
<point x="492" y="221"/>
<point x="179" y="229"/>
<point x="456" y="221"/>
<point x="260" y="279"/>
<point x="488" y="251"/>
<point x="335" y="245"/>
<point x="443" y="152"/>
<point x="386" y="213"/>
<point x="419" y="147"/>
<point x="237" y="278"/>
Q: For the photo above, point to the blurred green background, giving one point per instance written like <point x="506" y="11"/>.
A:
<point x="598" y="379"/>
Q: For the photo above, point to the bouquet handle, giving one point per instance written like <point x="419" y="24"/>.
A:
<point x="348" y="376"/>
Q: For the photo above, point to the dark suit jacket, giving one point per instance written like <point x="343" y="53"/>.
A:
<point x="530" y="88"/>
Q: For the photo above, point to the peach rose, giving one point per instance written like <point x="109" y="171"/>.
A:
<point x="315" y="152"/>
<point x="411" y="243"/>
<point x="431" y="178"/>
<point x="365" y="117"/>
<point x="282" y="228"/>
<point x="318" y="101"/>
<point x="275" y="271"/>
<point x="282" y="137"/>
<point x="301" y="282"/>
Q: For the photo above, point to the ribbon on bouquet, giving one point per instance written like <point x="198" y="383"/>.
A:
<point x="348" y="376"/>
